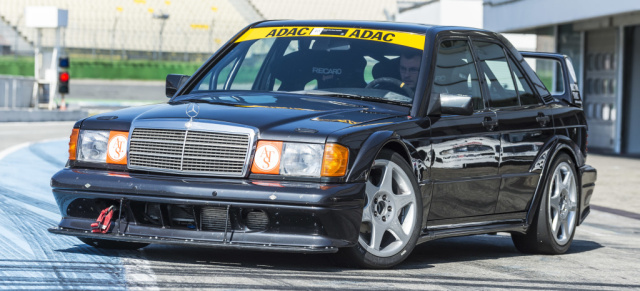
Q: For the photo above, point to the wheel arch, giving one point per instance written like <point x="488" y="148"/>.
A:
<point x="544" y="161"/>
<point x="372" y="147"/>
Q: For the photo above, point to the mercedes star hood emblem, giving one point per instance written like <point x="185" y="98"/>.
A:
<point x="193" y="109"/>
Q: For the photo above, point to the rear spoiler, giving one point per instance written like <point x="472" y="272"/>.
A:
<point x="572" y="95"/>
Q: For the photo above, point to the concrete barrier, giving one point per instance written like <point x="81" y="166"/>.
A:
<point x="16" y="91"/>
<point x="33" y="115"/>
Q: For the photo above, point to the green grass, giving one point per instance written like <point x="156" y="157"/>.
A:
<point x="104" y="69"/>
<point x="546" y="78"/>
<point x="16" y="67"/>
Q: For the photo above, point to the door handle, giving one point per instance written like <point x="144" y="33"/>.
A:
<point x="543" y="119"/>
<point x="489" y="123"/>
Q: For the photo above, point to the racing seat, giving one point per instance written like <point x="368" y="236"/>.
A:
<point x="387" y="68"/>
<point x="293" y="71"/>
<point x="339" y="69"/>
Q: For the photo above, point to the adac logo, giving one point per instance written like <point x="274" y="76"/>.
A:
<point x="193" y="109"/>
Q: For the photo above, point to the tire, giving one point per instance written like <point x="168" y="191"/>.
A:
<point x="112" y="244"/>
<point x="392" y="216"/>
<point x="554" y="224"/>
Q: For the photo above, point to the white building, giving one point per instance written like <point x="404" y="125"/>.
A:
<point x="603" y="40"/>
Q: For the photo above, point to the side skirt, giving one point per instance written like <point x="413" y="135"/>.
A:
<point x="473" y="228"/>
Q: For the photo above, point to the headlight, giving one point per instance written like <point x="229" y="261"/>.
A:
<point x="102" y="146"/>
<point x="300" y="159"/>
<point x="93" y="146"/>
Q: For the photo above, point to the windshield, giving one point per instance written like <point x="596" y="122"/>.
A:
<point x="351" y="63"/>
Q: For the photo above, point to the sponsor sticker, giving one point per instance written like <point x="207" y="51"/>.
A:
<point x="327" y="71"/>
<point x="408" y="39"/>
<point x="267" y="158"/>
<point x="117" y="147"/>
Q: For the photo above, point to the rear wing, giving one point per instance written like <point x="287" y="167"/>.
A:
<point x="556" y="72"/>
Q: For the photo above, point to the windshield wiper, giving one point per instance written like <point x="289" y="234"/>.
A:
<point x="207" y="99"/>
<point x="352" y="96"/>
<point x="193" y="100"/>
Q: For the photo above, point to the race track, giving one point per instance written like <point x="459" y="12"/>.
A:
<point x="605" y="254"/>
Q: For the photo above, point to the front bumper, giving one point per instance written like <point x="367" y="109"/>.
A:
<point x="297" y="216"/>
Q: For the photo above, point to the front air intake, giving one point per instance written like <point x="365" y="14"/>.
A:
<point x="256" y="219"/>
<point x="214" y="218"/>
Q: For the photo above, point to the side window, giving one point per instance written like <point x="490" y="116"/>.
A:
<point x="524" y="91"/>
<point x="502" y="90"/>
<point x="550" y="73"/>
<point x="455" y="72"/>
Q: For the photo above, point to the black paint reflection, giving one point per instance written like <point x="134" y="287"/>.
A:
<point x="465" y="166"/>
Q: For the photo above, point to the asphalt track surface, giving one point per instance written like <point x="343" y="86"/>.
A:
<point x="605" y="254"/>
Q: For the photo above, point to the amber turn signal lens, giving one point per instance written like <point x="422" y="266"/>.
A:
<point x="335" y="160"/>
<point x="73" y="143"/>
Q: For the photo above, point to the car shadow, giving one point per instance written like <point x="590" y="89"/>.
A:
<point x="176" y="266"/>
<point x="474" y="248"/>
<point x="426" y="255"/>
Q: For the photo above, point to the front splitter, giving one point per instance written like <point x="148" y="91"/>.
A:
<point x="191" y="242"/>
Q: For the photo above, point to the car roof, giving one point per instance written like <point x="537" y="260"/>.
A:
<point x="382" y="25"/>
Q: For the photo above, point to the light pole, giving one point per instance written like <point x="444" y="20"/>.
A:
<point x="164" y="18"/>
<point x="113" y="35"/>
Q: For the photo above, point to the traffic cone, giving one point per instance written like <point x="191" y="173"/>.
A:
<point x="63" y="105"/>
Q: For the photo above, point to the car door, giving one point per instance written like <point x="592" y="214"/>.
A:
<point x="465" y="149"/>
<point x="526" y="124"/>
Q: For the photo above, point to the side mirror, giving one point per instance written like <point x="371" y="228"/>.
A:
<point x="455" y="104"/>
<point x="174" y="82"/>
<point x="450" y="104"/>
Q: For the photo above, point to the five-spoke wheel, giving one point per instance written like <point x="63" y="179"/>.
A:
<point x="389" y="214"/>
<point x="553" y="227"/>
<point x="391" y="217"/>
<point x="562" y="204"/>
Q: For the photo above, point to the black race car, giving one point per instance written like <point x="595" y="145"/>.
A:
<point x="361" y="138"/>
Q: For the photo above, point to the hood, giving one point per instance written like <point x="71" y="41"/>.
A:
<point x="273" y="114"/>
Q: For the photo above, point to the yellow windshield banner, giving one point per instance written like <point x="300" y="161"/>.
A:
<point x="395" y="37"/>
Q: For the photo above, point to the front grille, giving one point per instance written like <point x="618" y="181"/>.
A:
<point x="188" y="152"/>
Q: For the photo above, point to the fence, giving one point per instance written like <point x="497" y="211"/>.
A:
<point x="16" y="92"/>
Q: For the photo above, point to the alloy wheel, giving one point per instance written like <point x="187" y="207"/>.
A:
<point x="562" y="204"/>
<point x="389" y="215"/>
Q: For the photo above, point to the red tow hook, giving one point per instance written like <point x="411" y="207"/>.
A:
<point x="103" y="224"/>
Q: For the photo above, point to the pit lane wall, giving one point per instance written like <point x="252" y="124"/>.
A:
<point x="18" y="103"/>
<point x="16" y="92"/>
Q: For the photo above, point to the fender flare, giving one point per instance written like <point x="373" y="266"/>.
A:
<point x="543" y="162"/>
<point x="370" y="149"/>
